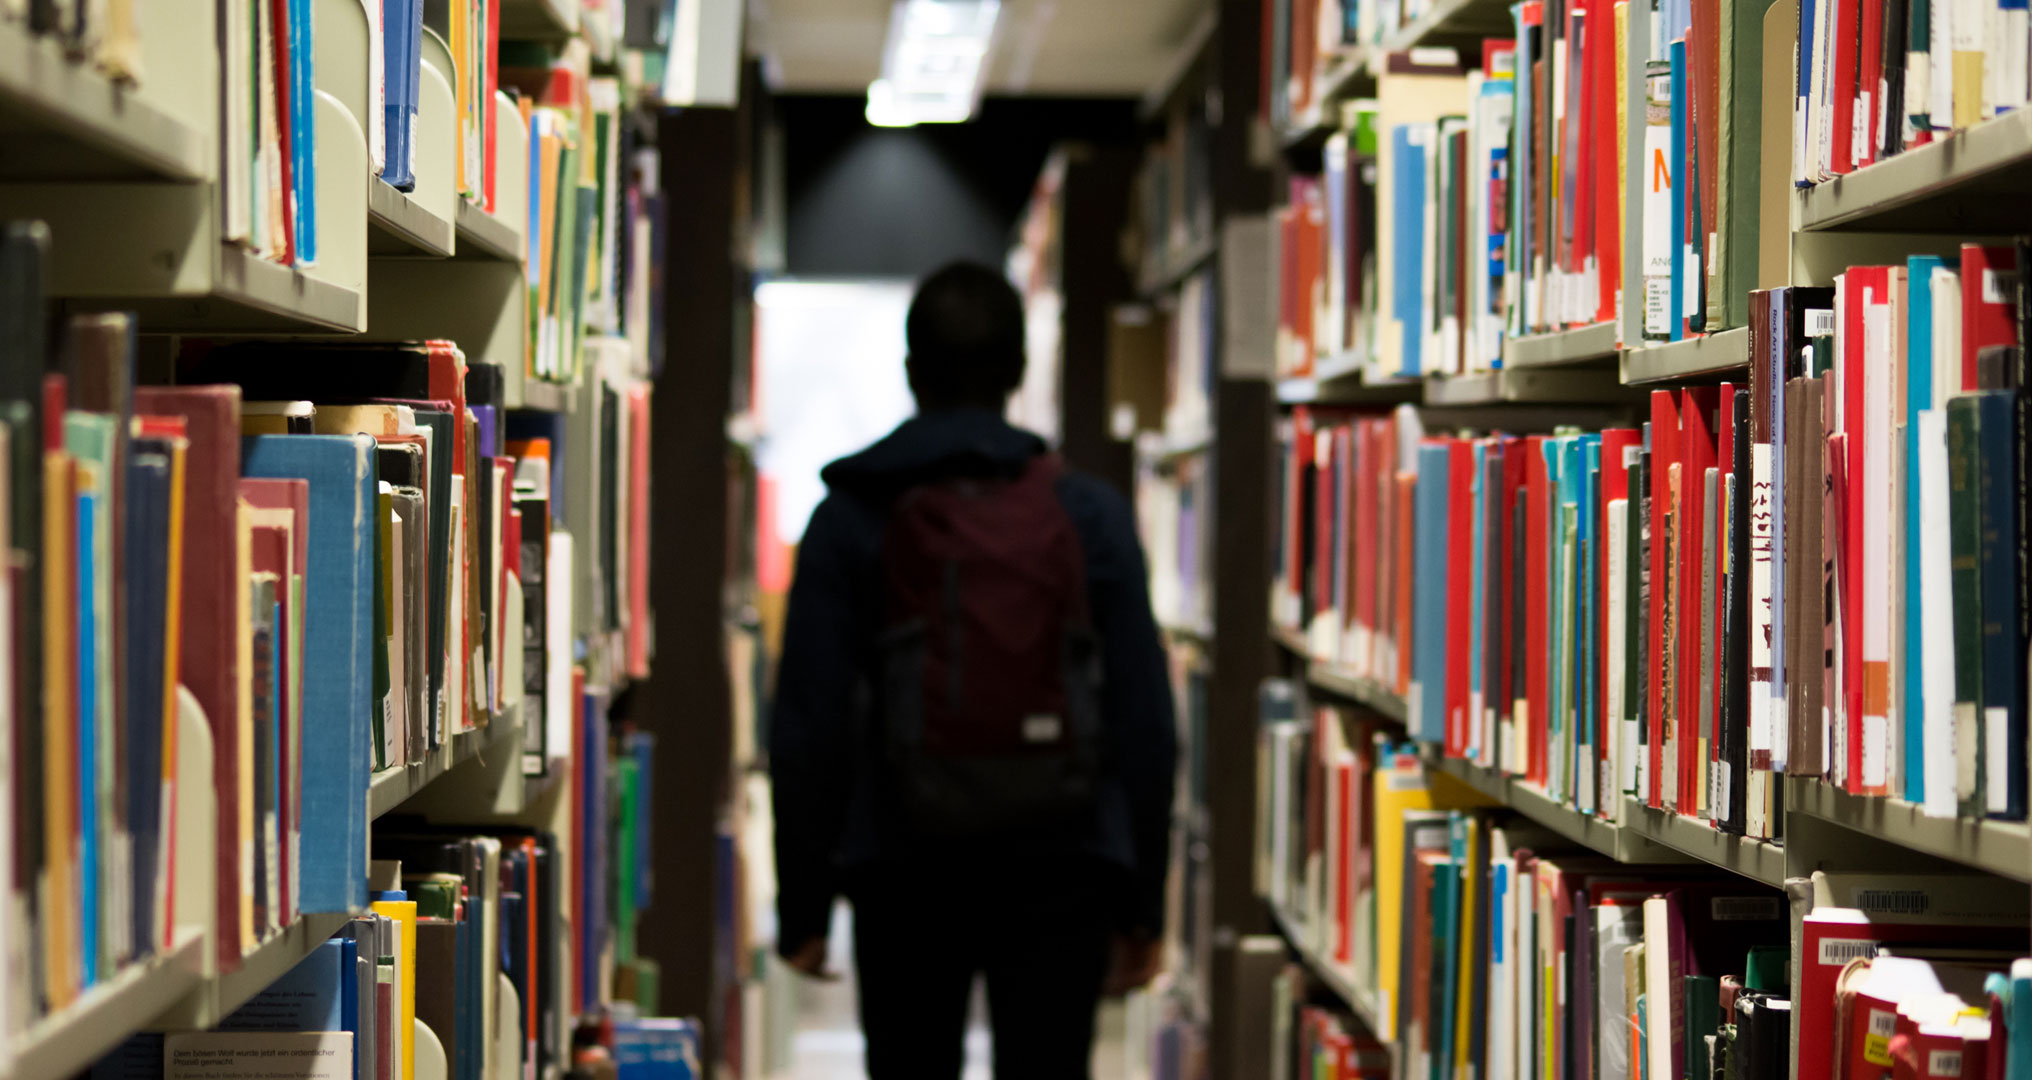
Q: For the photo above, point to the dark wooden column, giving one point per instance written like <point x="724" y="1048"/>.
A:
<point x="1093" y="280"/>
<point x="1243" y="503"/>
<point x="687" y="700"/>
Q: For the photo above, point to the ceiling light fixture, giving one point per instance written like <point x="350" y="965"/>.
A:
<point x="933" y="62"/>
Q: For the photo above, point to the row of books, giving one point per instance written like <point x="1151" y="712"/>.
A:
<point x="268" y="128"/>
<point x="1454" y="210"/>
<point x="464" y="935"/>
<point x="325" y="550"/>
<point x="1487" y="947"/>
<point x="102" y="34"/>
<point x="1873" y="81"/>
<point x="1174" y="516"/>
<point x="1703" y="99"/>
<point x="1174" y="187"/>
<point x="1641" y="610"/>
<point x="1314" y="1037"/>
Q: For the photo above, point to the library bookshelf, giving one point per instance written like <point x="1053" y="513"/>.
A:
<point x="1301" y="122"/>
<point x="119" y="149"/>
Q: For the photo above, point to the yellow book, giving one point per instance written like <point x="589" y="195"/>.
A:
<point x="1465" y="1019"/>
<point x="1402" y="786"/>
<point x="462" y="68"/>
<point x="172" y="648"/>
<point x="1968" y="86"/>
<point x="404" y="914"/>
<point x="243" y="641"/>
<point x="58" y="901"/>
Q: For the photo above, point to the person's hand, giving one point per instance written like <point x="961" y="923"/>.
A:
<point x="1133" y="962"/>
<point x="809" y="960"/>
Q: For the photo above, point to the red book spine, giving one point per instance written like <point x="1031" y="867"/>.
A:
<point x="1869" y="85"/>
<point x="1697" y="450"/>
<point x="280" y="15"/>
<point x="1841" y="91"/>
<point x="1344" y="864"/>
<point x="1362" y="545"/>
<point x="1608" y="230"/>
<point x="1460" y="605"/>
<point x="1407" y="501"/>
<point x="1538" y="576"/>
<point x="1513" y="484"/>
<point x="1988" y="304"/>
<point x="1664" y="455"/>
<point x="1322" y="519"/>
<point x="491" y="81"/>
<point x="1301" y="453"/>
<point x="1861" y="286"/>
<point x="1725" y="453"/>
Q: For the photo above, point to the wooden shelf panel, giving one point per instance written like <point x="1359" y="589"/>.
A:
<point x="63" y="120"/>
<point x="1708" y="357"/>
<point x="398" y="225"/>
<point x="1575" y="346"/>
<point x="2003" y="848"/>
<point x="1971" y="182"/>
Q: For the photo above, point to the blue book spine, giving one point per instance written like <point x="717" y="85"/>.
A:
<point x="1680" y="252"/>
<point x="1555" y="616"/>
<point x="303" y="128"/>
<point x="338" y="672"/>
<point x="88" y="740"/>
<point x="396" y="33"/>
<point x="1428" y="659"/>
<point x="310" y="997"/>
<point x="643" y="745"/>
<point x="1589" y="567"/>
<point x="1918" y="398"/>
<point x="2018" y="1010"/>
<point x="1410" y="141"/>
<point x="349" y="997"/>
<point x="2003" y="678"/>
<point x="147" y="550"/>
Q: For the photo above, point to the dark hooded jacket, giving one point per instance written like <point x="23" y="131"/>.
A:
<point x="829" y="824"/>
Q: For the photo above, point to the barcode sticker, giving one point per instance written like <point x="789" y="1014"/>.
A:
<point x="1819" y="321"/>
<point x="1997" y="786"/>
<point x="1745" y="908"/>
<point x="1891" y="901"/>
<point x="1837" y="952"/>
<point x="2000" y="286"/>
<point x="1945" y="1063"/>
<point x="1877" y="1041"/>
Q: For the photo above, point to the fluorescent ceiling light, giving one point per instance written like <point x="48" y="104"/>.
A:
<point x="932" y="65"/>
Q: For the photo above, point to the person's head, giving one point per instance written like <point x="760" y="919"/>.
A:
<point x="965" y="333"/>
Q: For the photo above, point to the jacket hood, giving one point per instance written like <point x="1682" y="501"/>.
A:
<point x="943" y="443"/>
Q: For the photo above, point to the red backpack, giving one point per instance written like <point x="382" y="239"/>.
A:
<point x="991" y="669"/>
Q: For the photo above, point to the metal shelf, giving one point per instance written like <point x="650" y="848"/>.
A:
<point x="1342" y="685"/>
<point x="1578" y="345"/>
<point x="391" y="788"/>
<point x="546" y="396"/>
<point x="1972" y="181"/>
<point x="63" y="120"/>
<point x="538" y="20"/>
<point x="66" y="1043"/>
<point x="1618" y="842"/>
<point x="2003" y="848"/>
<point x="1346" y="387"/>
<point x="399" y="225"/>
<point x="1177" y="264"/>
<point x="1761" y="860"/>
<point x="484" y="236"/>
<point x="1359" y="1000"/>
<point x="1695" y="358"/>
<point x="1526" y="386"/>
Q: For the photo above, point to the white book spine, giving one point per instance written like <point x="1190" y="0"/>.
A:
<point x="1878" y="425"/>
<point x="1936" y="591"/>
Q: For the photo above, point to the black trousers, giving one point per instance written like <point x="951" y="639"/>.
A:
<point x="1039" y="934"/>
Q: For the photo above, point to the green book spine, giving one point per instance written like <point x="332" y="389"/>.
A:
<point x="1703" y="1018"/>
<point x="1964" y="543"/>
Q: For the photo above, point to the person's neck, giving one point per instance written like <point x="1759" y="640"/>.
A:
<point x="947" y="408"/>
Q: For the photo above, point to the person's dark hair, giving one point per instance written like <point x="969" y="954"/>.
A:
<point x="965" y="333"/>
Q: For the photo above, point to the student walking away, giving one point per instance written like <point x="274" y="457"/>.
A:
<point x="973" y="734"/>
